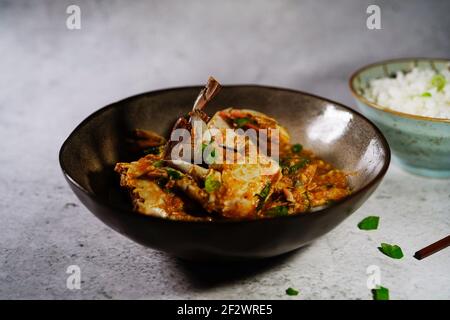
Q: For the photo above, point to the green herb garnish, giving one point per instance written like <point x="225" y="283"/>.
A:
<point x="264" y="192"/>
<point x="392" y="251"/>
<point x="173" y="174"/>
<point x="291" y="292"/>
<point x="153" y="150"/>
<point x="380" y="293"/>
<point x="297" y="148"/>
<point x="298" y="184"/>
<point x="278" y="211"/>
<point x="162" y="182"/>
<point x="211" y="157"/>
<point x="369" y="223"/>
<point x="426" y="95"/>
<point x="240" y="122"/>
<point x="211" y="184"/>
<point x="438" y="81"/>
<point x="158" y="164"/>
<point x="300" y="164"/>
<point x="263" y="195"/>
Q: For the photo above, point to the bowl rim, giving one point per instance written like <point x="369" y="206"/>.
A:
<point x="373" y="182"/>
<point x="387" y="109"/>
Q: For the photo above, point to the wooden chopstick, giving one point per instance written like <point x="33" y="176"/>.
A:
<point x="433" y="248"/>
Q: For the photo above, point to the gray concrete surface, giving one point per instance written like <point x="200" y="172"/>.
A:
<point x="51" y="78"/>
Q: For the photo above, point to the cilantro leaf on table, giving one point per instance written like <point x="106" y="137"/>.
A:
<point x="291" y="292"/>
<point x="380" y="293"/>
<point x="392" y="251"/>
<point x="369" y="223"/>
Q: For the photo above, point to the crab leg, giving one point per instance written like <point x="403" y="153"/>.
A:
<point x="144" y="139"/>
<point x="148" y="197"/>
<point x="197" y="118"/>
<point x="208" y="92"/>
<point x="198" y="172"/>
<point x="231" y="189"/>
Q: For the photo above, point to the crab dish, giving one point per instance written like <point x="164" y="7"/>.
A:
<point x="235" y="164"/>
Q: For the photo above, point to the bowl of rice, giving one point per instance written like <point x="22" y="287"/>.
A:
<point x="409" y="100"/>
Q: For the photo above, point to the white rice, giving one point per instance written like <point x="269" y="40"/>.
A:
<point x="413" y="92"/>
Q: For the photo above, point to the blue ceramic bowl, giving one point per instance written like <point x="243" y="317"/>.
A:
<point x="420" y="145"/>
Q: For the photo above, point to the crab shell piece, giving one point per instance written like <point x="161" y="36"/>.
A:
<point x="237" y="186"/>
<point x="147" y="196"/>
<point x="241" y="182"/>
<point x="253" y="120"/>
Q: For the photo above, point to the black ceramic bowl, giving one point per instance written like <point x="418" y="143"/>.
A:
<point x="336" y="133"/>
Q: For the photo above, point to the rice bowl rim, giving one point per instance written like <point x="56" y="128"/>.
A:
<point x="387" y="109"/>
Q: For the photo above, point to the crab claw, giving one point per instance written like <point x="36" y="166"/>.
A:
<point x="208" y="92"/>
<point x="196" y="120"/>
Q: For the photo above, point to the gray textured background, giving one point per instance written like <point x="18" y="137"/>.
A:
<point x="51" y="78"/>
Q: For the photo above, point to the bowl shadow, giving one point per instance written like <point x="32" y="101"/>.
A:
<point x="208" y="275"/>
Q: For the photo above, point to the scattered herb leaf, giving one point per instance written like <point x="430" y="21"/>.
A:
<point x="426" y="95"/>
<point x="278" y="211"/>
<point x="173" y="174"/>
<point x="162" y="182"/>
<point x="438" y="81"/>
<point x="211" y="157"/>
<point x="369" y="223"/>
<point x="298" y="184"/>
<point x="167" y="190"/>
<point x="263" y="195"/>
<point x="297" y="148"/>
<point x="265" y="191"/>
<point x="158" y="164"/>
<point x="211" y="184"/>
<point x="240" y="122"/>
<point x="392" y="251"/>
<point x="300" y="164"/>
<point x="291" y="292"/>
<point x="380" y="293"/>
